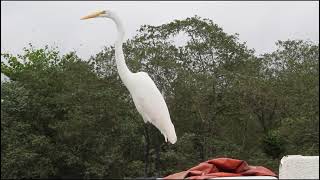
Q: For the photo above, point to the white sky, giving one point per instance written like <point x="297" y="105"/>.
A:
<point x="258" y="23"/>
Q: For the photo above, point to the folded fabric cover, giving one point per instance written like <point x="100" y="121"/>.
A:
<point x="222" y="167"/>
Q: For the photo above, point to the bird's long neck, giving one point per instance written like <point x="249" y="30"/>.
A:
<point x="123" y="70"/>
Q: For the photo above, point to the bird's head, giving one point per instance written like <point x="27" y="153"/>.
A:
<point x="104" y="13"/>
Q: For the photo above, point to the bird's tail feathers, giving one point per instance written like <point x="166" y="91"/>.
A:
<point x="171" y="135"/>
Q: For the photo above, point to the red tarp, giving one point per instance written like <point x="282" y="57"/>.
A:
<point x="222" y="167"/>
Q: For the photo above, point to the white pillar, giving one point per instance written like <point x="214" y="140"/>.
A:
<point x="299" y="167"/>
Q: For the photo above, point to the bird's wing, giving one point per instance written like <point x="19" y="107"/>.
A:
<point x="151" y="105"/>
<point x="150" y="102"/>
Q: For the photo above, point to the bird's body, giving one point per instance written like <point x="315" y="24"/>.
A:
<point x="145" y="94"/>
<point x="151" y="105"/>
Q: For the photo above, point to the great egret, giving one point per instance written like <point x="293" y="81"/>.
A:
<point x="145" y="94"/>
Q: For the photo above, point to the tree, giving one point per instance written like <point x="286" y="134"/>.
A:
<point x="59" y="119"/>
<point x="63" y="117"/>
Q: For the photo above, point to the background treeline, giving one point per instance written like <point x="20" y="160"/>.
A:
<point x="64" y="117"/>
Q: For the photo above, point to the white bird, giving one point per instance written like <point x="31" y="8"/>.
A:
<point x="145" y="94"/>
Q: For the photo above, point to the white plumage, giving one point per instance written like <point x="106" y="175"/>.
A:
<point x="145" y="94"/>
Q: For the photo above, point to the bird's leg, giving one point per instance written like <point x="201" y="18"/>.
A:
<point x="146" y="155"/>
<point x="158" y="149"/>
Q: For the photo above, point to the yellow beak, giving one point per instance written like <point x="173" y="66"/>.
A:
<point x="93" y="15"/>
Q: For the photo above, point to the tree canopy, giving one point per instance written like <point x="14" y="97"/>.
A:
<point x="65" y="117"/>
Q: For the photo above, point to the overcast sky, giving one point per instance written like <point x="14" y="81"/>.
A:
<point x="258" y="23"/>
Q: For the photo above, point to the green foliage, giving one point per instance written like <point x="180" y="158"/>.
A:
<point x="273" y="144"/>
<point x="62" y="117"/>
